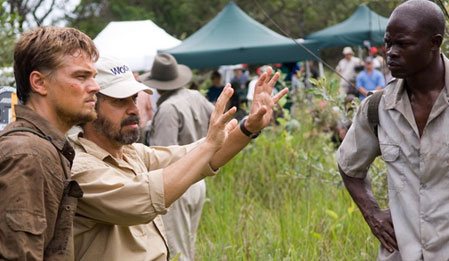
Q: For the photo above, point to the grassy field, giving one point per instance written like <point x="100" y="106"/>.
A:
<point x="282" y="199"/>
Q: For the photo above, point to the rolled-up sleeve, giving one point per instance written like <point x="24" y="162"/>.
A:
<point x="113" y="197"/>
<point x="360" y="146"/>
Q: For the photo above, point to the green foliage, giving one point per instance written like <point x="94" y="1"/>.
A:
<point x="282" y="198"/>
<point x="181" y="18"/>
<point x="7" y="35"/>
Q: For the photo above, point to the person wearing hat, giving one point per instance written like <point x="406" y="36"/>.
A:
<point x="346" y="68"/>
<point x="369" y="80"/>
<point x="182" y="118"/>
<point x="128" y="186"/>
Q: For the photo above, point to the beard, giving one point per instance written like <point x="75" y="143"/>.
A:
<point x="119" y="135"/>
<point x="76" y="118"/>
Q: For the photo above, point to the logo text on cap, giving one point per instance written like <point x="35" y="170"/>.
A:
<point x="120" y="69"/>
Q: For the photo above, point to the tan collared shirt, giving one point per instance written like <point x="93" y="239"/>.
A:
<point x="118" y="216"/>
<point x="418" y="169"/>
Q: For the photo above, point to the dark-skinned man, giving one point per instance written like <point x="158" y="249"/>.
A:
<point x="412" y="139"/>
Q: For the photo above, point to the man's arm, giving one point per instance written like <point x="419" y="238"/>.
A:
<point x="358" y="150"/>
<point x="378" y="220"/>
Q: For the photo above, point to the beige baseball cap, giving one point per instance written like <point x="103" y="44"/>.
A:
<point x="116" y="79"/>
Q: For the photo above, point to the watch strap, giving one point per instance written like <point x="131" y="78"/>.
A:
<point x="246" y="131"/>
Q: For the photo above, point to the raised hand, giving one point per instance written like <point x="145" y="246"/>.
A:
<point x="381" y="225"/>
<point x="220" y="121"/>
<point x="261" y="110"/>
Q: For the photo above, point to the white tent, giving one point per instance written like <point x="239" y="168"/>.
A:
<point x="134" y="42"/>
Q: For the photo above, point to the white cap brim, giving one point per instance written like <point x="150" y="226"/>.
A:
<point x="125" y="88"/>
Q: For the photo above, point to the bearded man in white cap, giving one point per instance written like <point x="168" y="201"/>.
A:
<point x="127" y="185"/>
<point x="182" y="118"/>
<point x="346" y="68"/>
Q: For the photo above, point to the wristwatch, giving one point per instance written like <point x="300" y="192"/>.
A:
<point x="246" y="131"/>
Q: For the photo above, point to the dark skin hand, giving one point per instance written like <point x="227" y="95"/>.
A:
<point x="378" y="220"/>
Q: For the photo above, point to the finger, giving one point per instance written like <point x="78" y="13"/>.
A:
<point x="223" y="99"/>
<point x="384" y="243"/>
<point x="260" y="82"/>
<point x="273" y="80"/>
<point x="231" y="125"/>
<point x="389" y="240"/>
<point x="258" y="115"/>
<point x="390" y="235"/>
<point x="268" y="72"/>
<point x="279" y="95"/>
<point x="227" y="116"/>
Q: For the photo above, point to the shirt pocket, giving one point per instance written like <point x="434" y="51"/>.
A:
<point x="22" y="220"/>
<point x="391" y="154"/>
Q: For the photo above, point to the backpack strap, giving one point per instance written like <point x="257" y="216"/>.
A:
<point x="373" y="110"/>
<point x="24" y="129"/>
<point x="35" y="132"/>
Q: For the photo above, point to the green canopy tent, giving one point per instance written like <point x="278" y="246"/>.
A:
<point x="233" y="37"/>
<point x="362" y="25"/>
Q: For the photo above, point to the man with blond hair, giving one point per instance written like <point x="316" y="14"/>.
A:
<point x="54" y="73"/>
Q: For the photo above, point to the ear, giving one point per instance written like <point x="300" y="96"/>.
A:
<point x="437" y="40"/>
<point x="38" y="83"/>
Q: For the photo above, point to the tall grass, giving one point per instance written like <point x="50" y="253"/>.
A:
<point x="282" y="199"/>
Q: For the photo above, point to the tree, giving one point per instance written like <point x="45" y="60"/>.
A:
<point x="181" y="18"/>
<point x="7" y="35"/>
<point x="37" y="12"/>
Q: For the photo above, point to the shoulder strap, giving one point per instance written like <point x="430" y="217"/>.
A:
<point x="35" y="132"/>
<point x="373" y="110"/>
<point x="22" y="129"/>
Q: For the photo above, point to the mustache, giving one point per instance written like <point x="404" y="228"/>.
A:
<point x="134" y="119"/>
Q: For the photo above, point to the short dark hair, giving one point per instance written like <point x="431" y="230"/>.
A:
<point x="42" y="49"/>
<point x="215" y="75"/>
<point x="426" y="13"/>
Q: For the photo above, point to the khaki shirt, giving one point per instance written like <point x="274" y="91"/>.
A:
<point x="181" y="119"/>
<point x="418" y="169"/>
<point x="37" y="201"/>
<point x="118" y="216"/>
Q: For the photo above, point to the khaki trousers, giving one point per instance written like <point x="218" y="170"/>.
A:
<point x="182" y="220"/>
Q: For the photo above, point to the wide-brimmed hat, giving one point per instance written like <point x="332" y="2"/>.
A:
<point x="347" y="50"/>
<point x="166" y="73"/>
<point x="116" y="79"/>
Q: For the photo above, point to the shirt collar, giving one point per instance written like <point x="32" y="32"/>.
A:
<point x="93" y="149"/>
<point x="88" y="146"/>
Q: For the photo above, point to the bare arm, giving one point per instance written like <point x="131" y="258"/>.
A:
<point x="363" y="91"/>
<point x="378" y="220"/>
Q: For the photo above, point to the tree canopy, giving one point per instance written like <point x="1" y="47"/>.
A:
<point x="181" y="18"/>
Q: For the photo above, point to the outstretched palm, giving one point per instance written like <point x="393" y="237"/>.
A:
<point x="261" y="110"/>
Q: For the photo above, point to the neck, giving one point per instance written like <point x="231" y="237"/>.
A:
<point x="42" y="108"/>
<point x="425" y="81"/>
<point x="113" y="148"/>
